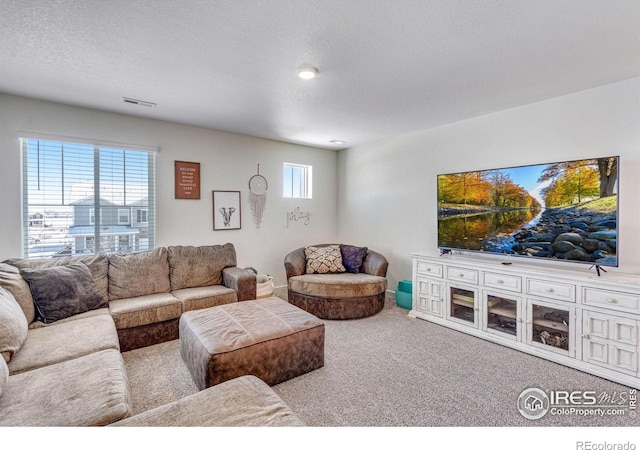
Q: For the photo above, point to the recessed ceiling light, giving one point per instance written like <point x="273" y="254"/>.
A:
<point x="337" y="141"/>
<point x="134" y="101"/>
<point x="307" y="72"/>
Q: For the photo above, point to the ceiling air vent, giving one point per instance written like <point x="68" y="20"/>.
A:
<point x="133" y="101"/>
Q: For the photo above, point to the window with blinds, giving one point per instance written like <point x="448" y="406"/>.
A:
<point x="296" y="181"/>
<point x="85" y="198"/>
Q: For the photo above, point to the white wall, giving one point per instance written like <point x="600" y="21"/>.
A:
<point x="387" y="190"/>
<point x="384" y="193"/>
<point x="227" y="162"/>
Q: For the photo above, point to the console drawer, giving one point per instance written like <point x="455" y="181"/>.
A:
<point x="462" y="274"/>
<point x="551" y="289"/>
<point x="425" y="268"/>
<point x="501" y="281"/>
<point x="620" y="301"/>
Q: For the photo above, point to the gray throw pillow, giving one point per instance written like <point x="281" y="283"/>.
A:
<point x="12" y="281"/>
<point x="63" y="291"/>
<point x="353" y="257"/>
<point x="4" y="375"/>
<point x="13" y="325"/>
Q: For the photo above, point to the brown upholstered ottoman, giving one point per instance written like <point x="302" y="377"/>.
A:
<point x="268" y="338"/>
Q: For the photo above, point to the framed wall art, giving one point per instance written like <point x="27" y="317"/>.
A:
<point x="187" y="179"/>
<point x="226" y="210"/>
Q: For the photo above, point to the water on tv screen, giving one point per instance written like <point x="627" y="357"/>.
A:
<point x="563" y="211"/>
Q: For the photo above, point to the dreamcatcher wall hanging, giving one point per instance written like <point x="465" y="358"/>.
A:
<point x="257" y="196"/>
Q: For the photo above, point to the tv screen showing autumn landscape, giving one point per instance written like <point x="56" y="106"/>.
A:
<point x="563" y="211"/>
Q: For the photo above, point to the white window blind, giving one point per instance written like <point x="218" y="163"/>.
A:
<point x="80" y="198"/>
<point x="297" y="181"/>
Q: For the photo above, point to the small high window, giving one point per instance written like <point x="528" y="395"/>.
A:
<point x="296" y="181"/>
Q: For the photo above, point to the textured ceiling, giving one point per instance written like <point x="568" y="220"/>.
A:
<point x="387" y="67"/>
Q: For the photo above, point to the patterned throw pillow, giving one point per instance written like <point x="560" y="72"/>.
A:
<point x="324" y="259"/>
<point x="353" y="257"/>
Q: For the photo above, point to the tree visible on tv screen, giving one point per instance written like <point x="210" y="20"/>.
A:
<point x="572" y="182"/>
<point x="569" y="183"/>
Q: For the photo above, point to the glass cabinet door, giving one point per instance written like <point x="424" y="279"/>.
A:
<point x="462" y="305"/>
<point x="550" y="327"/>
<point x="502" y="315"/>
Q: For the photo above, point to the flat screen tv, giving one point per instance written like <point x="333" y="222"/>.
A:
<point x="562" y="211"/>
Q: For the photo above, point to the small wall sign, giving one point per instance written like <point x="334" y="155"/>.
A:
<point x="298" y="215"/>
<point x="187" y="177"/>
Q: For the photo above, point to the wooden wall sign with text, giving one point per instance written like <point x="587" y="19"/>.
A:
<point x="188" y="180"/>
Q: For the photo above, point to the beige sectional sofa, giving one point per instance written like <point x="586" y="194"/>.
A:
<point x="61" y="363"/>
<point x="245" y="401"/>
<point x="148" y="291"/>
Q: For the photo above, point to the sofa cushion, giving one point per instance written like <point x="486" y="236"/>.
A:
<point x="98" y="266"/>
<point x="139" y="273"/>
<point x="143" y="310"/>
<point x="199" y="266"/>
<point x="63" y="291"/>
<point x="94" y="312"/>
<point x="205" y="297"/>
<point x="4" y="375"/>
<point x="13" y="325"/>
<point x="88" y="391"/>
<point x="326" y="259"/>
<point x="12" y="281"/>
<point x="343" y="285"/>
<point x="246" y="401"/>
<point x="353" y="257"/>
<point x="63" y="341"/>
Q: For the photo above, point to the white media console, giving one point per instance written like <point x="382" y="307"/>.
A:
<point x="572" y="317"/>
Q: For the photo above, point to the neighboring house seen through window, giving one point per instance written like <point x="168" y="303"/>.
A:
<point x="65" y="183"/>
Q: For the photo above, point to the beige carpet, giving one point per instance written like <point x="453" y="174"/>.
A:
<point x="392" y="370"/>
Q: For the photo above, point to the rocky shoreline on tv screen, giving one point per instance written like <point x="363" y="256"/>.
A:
<point x="569" y="234"/>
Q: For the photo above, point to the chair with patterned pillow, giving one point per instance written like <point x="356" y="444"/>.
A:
<point x="337" y="281"/>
